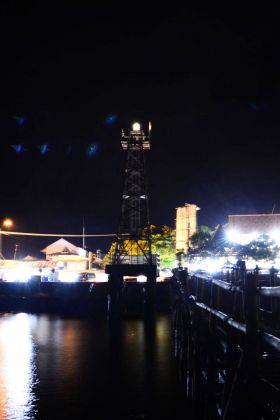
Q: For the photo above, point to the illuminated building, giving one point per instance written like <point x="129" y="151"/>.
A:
<point x="243" y="228"/>
<point x="62" y="247"/>
<point x="186" y="225"/>
<point x="64" y="262"/>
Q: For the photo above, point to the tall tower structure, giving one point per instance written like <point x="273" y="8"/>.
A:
<point x="132" y="255"/>
<point x="134" y="209"/>
<point x="186" y="225"/>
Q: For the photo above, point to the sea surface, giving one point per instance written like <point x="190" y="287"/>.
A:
<point x="56" y="367"/>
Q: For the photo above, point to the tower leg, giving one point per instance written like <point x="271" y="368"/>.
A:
<point x="150" y="293"/>
<point x="115" y="283"/>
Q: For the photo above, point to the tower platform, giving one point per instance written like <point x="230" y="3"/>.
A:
<point x="132" y="270"/>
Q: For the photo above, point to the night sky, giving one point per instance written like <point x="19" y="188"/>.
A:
<point x="73" y="76"/>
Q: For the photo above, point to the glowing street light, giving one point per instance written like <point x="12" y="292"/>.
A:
<point x="6" y="223"/>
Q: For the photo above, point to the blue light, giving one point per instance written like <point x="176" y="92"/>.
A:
<point x="19" y="119"/>
<point x="111" y="119"/>
<point x="18" y="148"/>
<point x="92" y="150"/>
<point x="44" y="149"/>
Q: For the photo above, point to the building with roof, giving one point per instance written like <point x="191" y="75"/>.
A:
<point x="243" y="228"/>
<point x="65" y="256"/>
<point x="260" y="223"/>
<point x="64" y="261"/>
<point x="63" y="247"/>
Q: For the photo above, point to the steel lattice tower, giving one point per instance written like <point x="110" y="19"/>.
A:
<point x="132" y="254"/>
<point x="134" y="209"/>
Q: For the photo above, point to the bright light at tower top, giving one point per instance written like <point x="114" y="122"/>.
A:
<point x="135" y="136"/>
<point x="136" y="126"/>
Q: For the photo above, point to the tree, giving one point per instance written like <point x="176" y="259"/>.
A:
<point x="262" y="248"/>
<point x="162" y="243"/>
<point x="108" y="257"/>
<point x="200" y="239"/>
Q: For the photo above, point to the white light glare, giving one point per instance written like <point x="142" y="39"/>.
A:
<point x="136" y="126"/>
<point x="101" y="277"/>
<point x="21" y="274"/>
<point x="234" y="236"/>
<point x="241" y="238"/>
<point x="68" y="276"/>
<point x="212" y="266"/>
<point x="167" y="273"/>
<point x="141" y="278"/>
<point x="275" y="235"/>
<point x="208" y="265"/>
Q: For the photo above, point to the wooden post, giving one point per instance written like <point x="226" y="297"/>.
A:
<point x="150" y="295"/>
<point x="183" y="278"/>
<point x="197" y="287"/>
<point x="238" y="396"/>
<point x="250" y="314"/>
<point x="273" y="301"/>
<point x="115" y="283"/>
<point x="251" y="348"/>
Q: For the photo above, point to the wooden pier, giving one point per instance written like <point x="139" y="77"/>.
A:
<point x="226" y="334"/>
<point x="79" y="297"/>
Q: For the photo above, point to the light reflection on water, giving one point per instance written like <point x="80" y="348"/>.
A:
<point x="17" y="368"/>
<point x="54" y="367"/>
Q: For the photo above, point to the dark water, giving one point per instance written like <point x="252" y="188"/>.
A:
<point x="57" y="368"/>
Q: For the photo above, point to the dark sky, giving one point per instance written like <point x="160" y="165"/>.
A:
<point x="73" y="76"/>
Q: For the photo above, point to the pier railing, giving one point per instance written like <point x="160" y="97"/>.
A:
<point x="227" y="343"/>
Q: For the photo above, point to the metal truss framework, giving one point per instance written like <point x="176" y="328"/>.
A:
<point x="133" y="240"/>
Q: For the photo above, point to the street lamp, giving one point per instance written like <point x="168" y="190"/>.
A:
<point x="7" y="223"/>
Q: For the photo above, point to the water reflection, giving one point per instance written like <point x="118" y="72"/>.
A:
<point x="143" y="381"/>
<point x="61" y="356"/>
<point x="86" y="368"/>
<point x="17" y="368"/>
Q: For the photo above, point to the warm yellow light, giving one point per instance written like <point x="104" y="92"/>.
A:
<point x="136" y="126"/>
<point x="7" y="223"/>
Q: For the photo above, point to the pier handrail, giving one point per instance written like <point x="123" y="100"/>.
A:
<point x="271" y="340"/>
<point x="269" y="291"/>
<point x="227" y="286"/>
<point x="228" y="341"/>
<point x="224" y="317"/>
